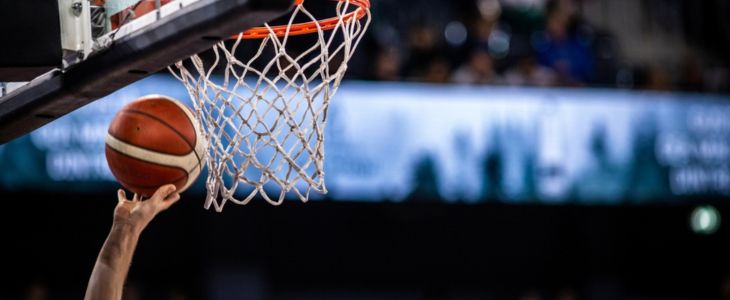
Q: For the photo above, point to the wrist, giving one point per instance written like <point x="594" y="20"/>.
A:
<point x="127" y="228"/>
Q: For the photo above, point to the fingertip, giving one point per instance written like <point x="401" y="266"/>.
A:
<point x="169" y="189"/>
<point x="163" y="192"/>
<point x="171" y="200"/>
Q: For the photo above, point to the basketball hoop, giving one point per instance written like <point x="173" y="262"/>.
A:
<point x="265" y="115"/>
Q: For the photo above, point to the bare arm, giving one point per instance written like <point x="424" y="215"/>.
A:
<point x="112" y="265"/>
<point x="130" y="219"/>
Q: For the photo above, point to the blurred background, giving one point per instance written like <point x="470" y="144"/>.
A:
<point x="480" y="149"/>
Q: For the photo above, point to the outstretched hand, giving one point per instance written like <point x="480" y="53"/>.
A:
<point x="130" y="218"/>
<point x="138" y="213"/>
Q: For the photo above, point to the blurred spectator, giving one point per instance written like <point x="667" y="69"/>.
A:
<point x="387" y="65"/>
<point x="601" y="181"/>
<point x="485" y="25"/>
<point x="423" y="44"/>
<point x="438" y="71"/>
<point x="132" y="291"/>
<point x="653" y="78"/>
<point x="566" y="50"/>
<point x="177" y="294"/>
<point x="481" y="31"/>
<point x="487" y="32"/>
<point x="529" y="72"/>
<point x="530" y="295"/>
<point x="717" y="79"/>
<point x="425" y="180"/>
<point x="478" y="69"/>
<point x="691" y="73"/>
<point x="566" y="294"/>
<point x="423" y="38"/>
<point x="725" y="288"/>
<point x="36" y="291"/>
<point x="563" y="47"/>
<point x="490" y="10"/>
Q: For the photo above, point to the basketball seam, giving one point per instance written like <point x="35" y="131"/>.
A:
<point x="199" y="164"/>
<point x="189" y="121"/>
<point x="147" y="161"/>
<point x="186" y="175"/>
<point x="178" y="133"/>
<point x="198" y="134"/>
<point x="191" y="179"/>
<point x="161" y="121"/>
<point x="196" y="168"/>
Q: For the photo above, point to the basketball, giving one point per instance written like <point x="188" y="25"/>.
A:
<point x="154" y="141"/>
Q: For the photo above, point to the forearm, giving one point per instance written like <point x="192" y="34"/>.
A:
<point x="112" y="265"/>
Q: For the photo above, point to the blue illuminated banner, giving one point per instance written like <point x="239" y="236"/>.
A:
<point x="417" y="142"/>
<point x="395" y="141"/>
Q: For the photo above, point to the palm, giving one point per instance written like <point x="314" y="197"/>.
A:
<point x="140" y="212"/>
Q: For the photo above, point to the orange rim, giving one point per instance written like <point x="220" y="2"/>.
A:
<point x="308" y="27"/>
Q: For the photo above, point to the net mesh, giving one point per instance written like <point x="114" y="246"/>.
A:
<point x="263" y="105"/>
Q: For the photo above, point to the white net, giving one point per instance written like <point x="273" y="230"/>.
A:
<point x="263" y="106"/>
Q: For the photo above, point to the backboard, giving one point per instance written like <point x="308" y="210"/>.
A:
<point x="101" y="55"/>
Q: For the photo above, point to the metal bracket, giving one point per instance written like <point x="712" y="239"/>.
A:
<point x="77" y="8"/>
<point x="76" y="26"/>
<point x="157" y="7"/>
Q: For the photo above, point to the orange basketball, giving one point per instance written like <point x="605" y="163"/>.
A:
<point x="154" y="141"/>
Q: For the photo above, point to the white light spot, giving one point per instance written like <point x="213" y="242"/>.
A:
<point x="705" y="220"/>
<point x="499" y="44"/>
<point x="490" y="9"/>
<point x="455" y="33"/>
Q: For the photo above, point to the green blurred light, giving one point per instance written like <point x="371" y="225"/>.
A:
<point x="705" y="220"/>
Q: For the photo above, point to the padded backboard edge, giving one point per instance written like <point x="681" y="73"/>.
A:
<point x="188" y="31"/>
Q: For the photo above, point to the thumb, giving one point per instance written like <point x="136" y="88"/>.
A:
<point x="163" y="192"/>
<point x="172" y="199"/>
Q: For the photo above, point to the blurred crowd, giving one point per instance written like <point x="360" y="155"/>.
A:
<point x="517" y="43"/>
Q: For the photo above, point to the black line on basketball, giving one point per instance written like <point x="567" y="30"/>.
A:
<point x="147" y="161"/>
<point x="197" y="155"/>
<point x="161" y="121"/>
